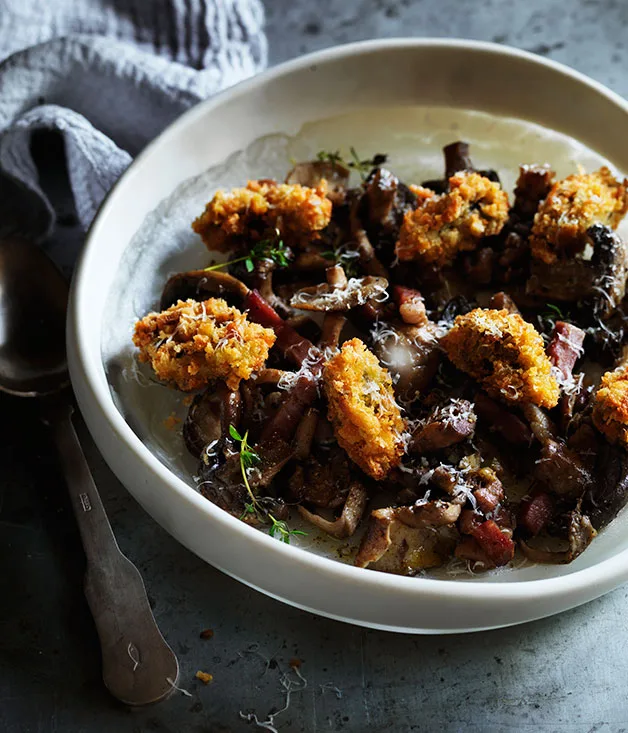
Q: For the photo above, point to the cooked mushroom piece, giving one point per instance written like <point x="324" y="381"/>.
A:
<point x="368" y="258"/>
<point x="340" y="294"/>
<point x="209" y="417"/>
<point x="580" y="533"/>
<point x="410" y="353"/>
<point x="311" y="172"/>
<point x="263" y="283"/>
<point x="345" y="525"/>
<point x="200" y="285"/>
<point x="609" y="493"/>
<point x="447" y="424"/>
<point x="596" y="274"/>
<point x="559" y="468"/>
<point x="408" y="539"/>
<point x="533" y="185"/>
<point x="610" y="261"/>
<point x="457" y="159"/>
<point x="324" y="477"/>
<point x="220" y="477"/>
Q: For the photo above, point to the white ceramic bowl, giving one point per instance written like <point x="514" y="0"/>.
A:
<point x="373" y="76"/>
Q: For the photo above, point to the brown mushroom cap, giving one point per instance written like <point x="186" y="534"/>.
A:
<point x="200" y="285"/>
<point x="326" y="297"/>
<point x="312" y="172"/>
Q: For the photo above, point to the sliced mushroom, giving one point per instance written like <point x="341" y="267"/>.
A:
<point x="609" y="493"/>
<point x="304" y="435"/>
<point x="596" y="275"/>
<point x="324" y="477"/>
<point x="263" y="283"/>
<point x="273" y="456"/>
<point x="369" y="260"/>
<point x="580" y="535"/>
<point x="327" y="297"/>
<point x="220" y="478"/>
<point x="349" y="518"/>
<point x="312" y="172"/>
<point x="457" y="158"/>
<point x="610" y="260"/>
<point x="209" y="417"/>
<point x="411" y="355"/>
<point x="408" y="539"/>
<point x="202" y="284"/>
<point x="380" y="195"/>
<point x="446" y="425"/>
<point x="333" y="324"/>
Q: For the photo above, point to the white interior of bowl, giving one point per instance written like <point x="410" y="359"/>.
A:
<point x="120" y="276"/>
<point x="413" y="138"/>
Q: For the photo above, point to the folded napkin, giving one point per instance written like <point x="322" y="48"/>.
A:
<point x="108" y="75"/>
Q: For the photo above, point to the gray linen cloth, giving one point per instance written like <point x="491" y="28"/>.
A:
<point x="108" y="75"/>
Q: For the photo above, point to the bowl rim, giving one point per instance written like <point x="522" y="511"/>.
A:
<point x="605" y="574"/>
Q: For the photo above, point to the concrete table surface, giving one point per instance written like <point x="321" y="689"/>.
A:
<point x="566" y="673"/>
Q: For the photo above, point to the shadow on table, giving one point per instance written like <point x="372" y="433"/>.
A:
<point x="566" y="671"/>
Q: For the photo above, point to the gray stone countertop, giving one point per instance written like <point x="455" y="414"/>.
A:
<point x="566" y="673"/>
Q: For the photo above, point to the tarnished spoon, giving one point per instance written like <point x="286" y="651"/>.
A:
<point x="138" y="665"/>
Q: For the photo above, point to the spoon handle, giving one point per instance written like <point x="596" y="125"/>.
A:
<point x="138" y="665"/>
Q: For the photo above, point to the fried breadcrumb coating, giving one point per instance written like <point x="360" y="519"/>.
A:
<point x="298" y="212"/>
<point x="192" y="343"/>
<point x="610" y="406"/>
<point x="441" y="226"/>
<point x="571" y="207"/>
<point x="367" y="420"/>
<point x="505" y="354"/>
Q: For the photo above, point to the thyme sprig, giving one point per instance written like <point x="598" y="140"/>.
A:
<point x="272" y="248"/>
<point x="362" y="165"/>
<point x="248" y="459"/>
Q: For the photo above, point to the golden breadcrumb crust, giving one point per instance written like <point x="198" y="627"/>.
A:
<point x="441" y="226"/>
<point x="192" y="343"/>
<point x="298" y="212"/>
<point x="610" y="406"/>
<point x="505" y="354"/>
<point x="367" y="421"/>
<point x="571" y="207"/>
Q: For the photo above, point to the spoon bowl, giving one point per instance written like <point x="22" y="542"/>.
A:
<point x="33" y="303"/>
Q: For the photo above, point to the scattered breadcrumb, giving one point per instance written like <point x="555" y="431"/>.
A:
<point x="192" y="343"/>
<point x="571" y="207"/>
<point x="610" y="406"/>
<point x="367" y="420"/>
<point x="443" y="225"/>
<point x="207" y="634"/>
<point x="505" y="354"/>
<point x="298" y="212"/>
<point x="204" y="677"/>
<point x="171" y="422"/>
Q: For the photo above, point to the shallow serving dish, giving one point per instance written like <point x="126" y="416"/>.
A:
<point x="412" y="96"/>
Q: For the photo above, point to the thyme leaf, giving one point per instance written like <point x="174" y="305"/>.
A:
<point x="272" y="248"/>
<point x="362" y="165"/>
